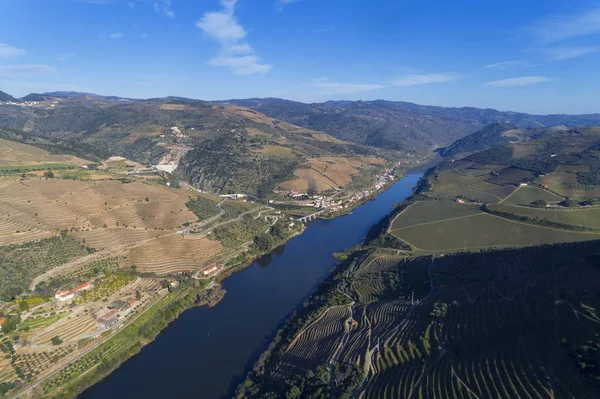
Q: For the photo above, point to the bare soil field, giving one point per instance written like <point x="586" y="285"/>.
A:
<point x="174" y="253"/>
<point x="18" y="154"/>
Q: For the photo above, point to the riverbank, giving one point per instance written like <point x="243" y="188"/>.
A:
<point x="230" y="337"/>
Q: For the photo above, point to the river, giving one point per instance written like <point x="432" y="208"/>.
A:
<point x="208" y="351"/>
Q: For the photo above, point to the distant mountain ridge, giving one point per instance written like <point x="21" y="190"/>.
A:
<point x="393" y="124"/>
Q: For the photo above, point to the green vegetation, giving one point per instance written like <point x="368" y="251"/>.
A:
<point x="236" y="207"/>
<point x="203" y="207"/>
<point x="41" y="322"/>
<point x="20" y="264"/>
<point x="527" y="195"/>
<point x="30" y="168"/>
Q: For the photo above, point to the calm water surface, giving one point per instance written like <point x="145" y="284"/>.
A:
<point x="207" y="352"/>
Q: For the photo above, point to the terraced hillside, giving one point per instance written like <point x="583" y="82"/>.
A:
<point x="481" y="285"/>
<point x="86" y="252"/>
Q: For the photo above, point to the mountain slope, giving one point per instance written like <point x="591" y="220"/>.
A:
<point x="395" y="124"/>
<point x="220" y="149"/>
<point x="6" y="97"/>
<point x="367" y="123"/>
<point x="489" y="136"/>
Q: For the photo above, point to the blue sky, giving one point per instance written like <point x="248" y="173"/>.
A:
<point x="530" y="56"/>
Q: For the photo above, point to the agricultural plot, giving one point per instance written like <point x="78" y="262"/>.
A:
<point x="526" y="195"/>
<point x="512" y="176"/>
<point x="69" y="329"/>
<point x="13" y="153"/>
<point x="113" y="237"/>
<point x="481" y="231"/>
<point x="589" y="217"/>
<point x="451" y="184"/>
<point x="325" y="173"/>
<point x="493" y="341"/>
<point x="566" y="184"/>
<point x="106" y="288"/>
<point x="174" y="253"/>
<point x="316" y="344"/>
<point x="431" y="211"/>
<point x="20" y="264"/>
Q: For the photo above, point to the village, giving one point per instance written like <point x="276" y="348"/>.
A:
<point x="336" y="201"/>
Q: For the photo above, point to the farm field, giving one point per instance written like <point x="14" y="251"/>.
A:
<point x="174" y="253"/>
<point x="431" y="211"/>
<point x="481" y="231"/>
<point x="566" y="184"/>
<point x="13" y="153"/>
<point x="526" y="195"/>
<point x="589" y="217"/>
<point x="325" y="173"/>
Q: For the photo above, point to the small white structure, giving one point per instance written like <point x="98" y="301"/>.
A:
<point x="64" y="295"/>
<point x="210" y="270"/>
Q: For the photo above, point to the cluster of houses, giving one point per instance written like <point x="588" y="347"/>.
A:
<point x="65" y="295"/>
<point x="26" y="103"/>
<point x="110" y="319"/>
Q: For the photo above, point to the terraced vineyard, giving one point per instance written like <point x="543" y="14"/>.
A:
<point x="507" y="324"/>
<point x="174" y="253"/>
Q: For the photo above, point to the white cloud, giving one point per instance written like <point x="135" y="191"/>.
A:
<point x="559" y="28"/>
<point x="26" y="69"/>
<point x="347" y="88"/>
<point x="568" y="52"/>
<point x="280" y="4"/>
<point x="504" y="65"/>
<point x="116" y="35"/>
<point x="164" y="6"/>
<point x="422" y="79"/>
<point x="235" y="54"/>
<point x="520" y="81"/>
<point x="7" y="51"/>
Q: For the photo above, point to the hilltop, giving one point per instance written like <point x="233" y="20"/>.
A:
<point x="394" y="124"/>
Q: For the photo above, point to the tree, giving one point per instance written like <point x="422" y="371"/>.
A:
<point x="539" y="203"/>
<point x="10" y="324"/>
<point x="138" y="295"/>
<point x="49" y="174"/>
<point x="264" y="242"/>
<point x="23" y="306"/>
<point x="569" y="203"/>
<point x="56" y="340"/>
